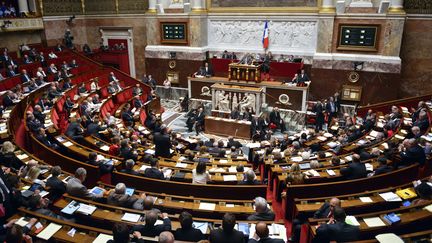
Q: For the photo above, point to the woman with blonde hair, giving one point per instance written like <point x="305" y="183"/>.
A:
<point x="295" y="175"/>
<point x="33" y="175"/>
<point x="8" y="157"/>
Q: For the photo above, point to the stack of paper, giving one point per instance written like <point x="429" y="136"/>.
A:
<point x="390" y="197"/>
<point x="49" y="231"/>
<point x="429" y="208"/>
<point x="374" y="222"/>
<point x="369" y="167"/>
<point x="331" y="172"/>
<point x="105" y="148"/>
<point x="351" y="220"/>
<point x="388" y="238"/>
<point x="313" y="173"/>
<point x="22" y="156"/>
<point x="103" y="238"/>
<point x="181" y="165"/>
<point x="144" y="167"/>
<point x="150" y="151"/>
<point x="22" y="222"/>
<point x="230" y="178"/>
<point x="131" y="217"/>
<point x="86" y="209"/>
<point x="68" y="144"/>
<point x="366" y="199"/>
<point x="296" y="159"/>
<point x="223" y="161"/>
<point x="207" y="206"/>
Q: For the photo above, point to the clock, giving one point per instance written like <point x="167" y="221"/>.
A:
<point x="353" y="77"/>
<point x="172" y="64"/>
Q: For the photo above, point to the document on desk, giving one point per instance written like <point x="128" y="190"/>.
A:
<point x="429" y="208"/>
<point x="181" y="165"/>
<point x="22" y="156"/>
<point x="389" y="237"/>
<point x="366" y="199"/>
<point x="331" y="172"/>
<point x="104" y="148"/>
<point x="68" y="144"/>
<point x="230" y="178"/>
<point x="202" y="226"/>
<point x="144" y="167"/>
<point x="207" y="206"/>
<point x="22" y="222"/>
<point x="150" y="151"/>
<point x="351" y="220"/>
<point x="49" y="231"/>
<point x="390" y="197"/>
<point x="374" y="222"/>
<point x="86" y="209"/>
<point x="131" y="217"/>
<point x="103" y="238"/>
<point x="71" y="208"/>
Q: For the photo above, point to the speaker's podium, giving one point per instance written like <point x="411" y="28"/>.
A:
<point x="245" y="70"/>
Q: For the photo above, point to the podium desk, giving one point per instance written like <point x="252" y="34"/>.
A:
<point x="227" y="127"/>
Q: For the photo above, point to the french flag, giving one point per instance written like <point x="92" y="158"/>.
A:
<point x="265" y="39"/>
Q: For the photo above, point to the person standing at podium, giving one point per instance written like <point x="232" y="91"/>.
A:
<point x="300" y="78"/>
<point x="206" y="70"/>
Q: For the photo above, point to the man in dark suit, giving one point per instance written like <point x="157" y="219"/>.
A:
<point x="206" y="70"/>
<point x="411" y="152"/>
<point x="129" y="164"/>
<point x="355" y="169"/>
<point x="262" y="212"/>
<point x="199" y="120"/>
<point x="250" y="179"/>
<point x="149" y="228"/>
<point x="319" y="111"/>
<point x="127" y="115"/>
<point x="262" y="235"/>
<point x="43" y="138"/>
<point x="331" y="109"/>
<point x="276" y="119"/>
<point x="227" y="233"/>
<point x="8" y="99"/>
<point x="152" y="82"/>
<point x="27" y="60"/>
<point x="94" y="127"/>
<point x="56" y="186"/>
<point x="233" y="143"/>
<point x="235" y="114"/>
<point x="187" y="232"/>
<point x="383" y="167"/>
<point x="162" y="143"/>
<point x="136" y="102"/>
<point x="10" y="72"/>
<point x="33" y="124"/>
<point x="325" y="211"/>
<point x="25" y="77"/>
<point x="154" y="172"/>
<point x="337" y="230"/>
<point x="74" y="130"/>
<point x="38" y="114"/>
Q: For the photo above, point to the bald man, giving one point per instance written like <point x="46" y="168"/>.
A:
<point x="325" y="211"/>
<point x="262" y="235"/>
<point x="166" y="237"/>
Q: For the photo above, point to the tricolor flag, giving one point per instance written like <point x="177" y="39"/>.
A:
<point x="265" y="39"/>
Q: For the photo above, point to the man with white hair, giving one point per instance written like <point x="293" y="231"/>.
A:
<point x="250" y="178"/>
<point x="411" y="153"/>
<point x="262" y="211"/>
<point x="166" y="237"/>
<point x="118" y="197"/>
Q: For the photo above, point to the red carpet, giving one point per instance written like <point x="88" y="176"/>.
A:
<point x="277" y="209"/>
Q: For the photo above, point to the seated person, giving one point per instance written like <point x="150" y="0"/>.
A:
<point x="129" y="164"/>
<point x="149" y="228"/>
<point x="75" y="187"/>
<point x="250" y="179"/>
<point x="118" y="197"/>
<point x="154" y="171"/>
<point x="336" y="229"/>
<point x="187" y="232"/>
<point x="411" y="152"/>
<point x="383" y="167"/>
<point x="43" y="138"/>
<point x="262" y="212"/>
<point x="121" y="234"/>
<point x="355" y="169"/>
<point x="55" y="186"/>
<point x="227" y="233"/>
<point x="39" y="205"/>
<point x="262" y="235"/>
<point x="206" y="70"/>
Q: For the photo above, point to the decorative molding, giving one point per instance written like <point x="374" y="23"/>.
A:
<point x="298" y="36"/>
<point x="61" y="7"/>
<point x="18" y="24"/>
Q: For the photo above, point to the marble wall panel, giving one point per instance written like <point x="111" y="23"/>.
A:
<point x="416" y="56"/>
<point x="325" y="35"/>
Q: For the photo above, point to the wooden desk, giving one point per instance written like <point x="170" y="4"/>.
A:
<point x="244" y="72"/>
<point x="227" y="127"/>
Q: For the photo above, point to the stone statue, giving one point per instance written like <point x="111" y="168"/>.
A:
<point x="222" y="101"/>
<point x="234" y="101"/>
<point x="247" y="101"/>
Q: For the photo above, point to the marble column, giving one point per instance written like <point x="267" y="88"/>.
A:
<point x="23" y="6"/>
<point x="197" y="5"/>
<point x="396" y="7"/>
<point x="328" y="6"/>
<point x="152" y="6"/>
